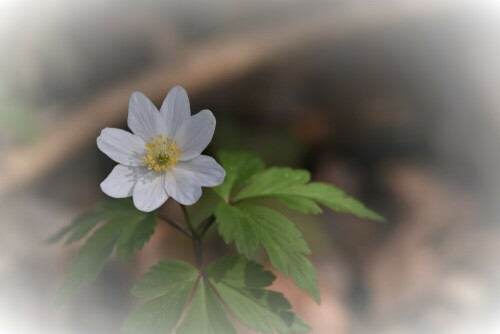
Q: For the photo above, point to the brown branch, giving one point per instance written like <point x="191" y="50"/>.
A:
<point x="195" y="68"/>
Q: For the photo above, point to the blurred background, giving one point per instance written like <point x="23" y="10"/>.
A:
<point x="394" y="101"/>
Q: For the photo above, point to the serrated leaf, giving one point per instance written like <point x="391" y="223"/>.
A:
<point x="291" y="187"/>
<point x="78" y="229"/>
<point x="274" y="181"/>
<point x="240" y="167"/>
<point x="240" y="283"/>
<point x="230" y="285"/>
<point x="90" y="260"/>
<point x="299" y="203"/>
<point x="281" y="239"/>
<point x="59" y="234"/>
<point x="122" y="227"/>
<point x="135" y="235"/>
<point x="335" y="199"/>
<point x="232" y="224"/>
<point x="167" y="286"/>
<point x="206" y="314"/>
<point x="240" y="273"/>
<point x="81" y="226"/>
<point x="163" y="278"/>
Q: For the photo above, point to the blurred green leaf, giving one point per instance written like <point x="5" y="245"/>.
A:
<point x="240" y="273"/>
<point x="206" y="314"/>
<point x="230" y="285"/>
<point x="122" y="227"/>
<point x="136" y="231"/>
<point x="250" y="225"/>
<point x="167" y="286"/>
<point x="81" y="226"/>
<point x="90" y="260"/>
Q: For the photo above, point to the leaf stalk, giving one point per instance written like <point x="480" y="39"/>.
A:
<point x="195" y="237"/>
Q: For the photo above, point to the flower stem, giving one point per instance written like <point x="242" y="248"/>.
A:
<point x="195" y="237"/>
<point x="205" y="226"/>
<point x="176" y="225"/>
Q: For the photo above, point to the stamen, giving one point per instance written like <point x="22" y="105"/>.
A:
<point x="161" y="154"/>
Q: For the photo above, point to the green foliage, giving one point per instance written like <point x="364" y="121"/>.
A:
<point x="299" y="203"/>
<point x="241" y="285"/>
<point x="84" y="223"/>
<point x="248" y="225"/>
<point x="121" y="227"/>
<point x="167" y="287"/>
<point x="292" y="188"/>
<point x="274" y="181"/>
<point x="206" y="315"/>
<point x="229" y="286"/>
<point x="187" y="300"/>
<point x="240" y="167"/>
<point x="134" y="233"/>
<point x="251" y="225"/>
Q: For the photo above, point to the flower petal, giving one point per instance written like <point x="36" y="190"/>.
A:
<point x="149" y="192"/>
<point x="208" y="172"/>
<point x="122" y="146"/>
<point x="175" y="110"/>
<point x="121" y="181"/>
<point x="143" y="118"/>
<point x="183" y="186"/>
<point x="195" y="134"/>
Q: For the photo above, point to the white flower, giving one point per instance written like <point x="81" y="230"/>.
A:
<point x="161" y="159"/>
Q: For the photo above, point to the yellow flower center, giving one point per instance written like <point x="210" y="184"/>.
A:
<point x="161" y="153"/>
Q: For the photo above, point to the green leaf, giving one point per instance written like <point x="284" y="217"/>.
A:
<point x="90" y="260"/>
<point x="122" y="227"/>
<point x="163" y="278"/>
<point x="82" y="226"/>
<point x="206" y="314"/>
<point x="240" y="273"/>
<point x="299" y="325"/>
<point x="274" y="181"/>
<point x="335" y="199"/>
<point x="56" y="237"/>
<point x="291" y="187"/>
<point x="168" y="286"/>
<point x="230" y="285"/>
<point x="234" y="226"/>
<point x="240" y="167"/>
<point x="240" y="283"/>
<point x="248" y="225"/>
<point x="299" y="203"/>
<point x="84" y="223"/>
<point x="79" y="228"/>
<point x="136" y="232"/>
